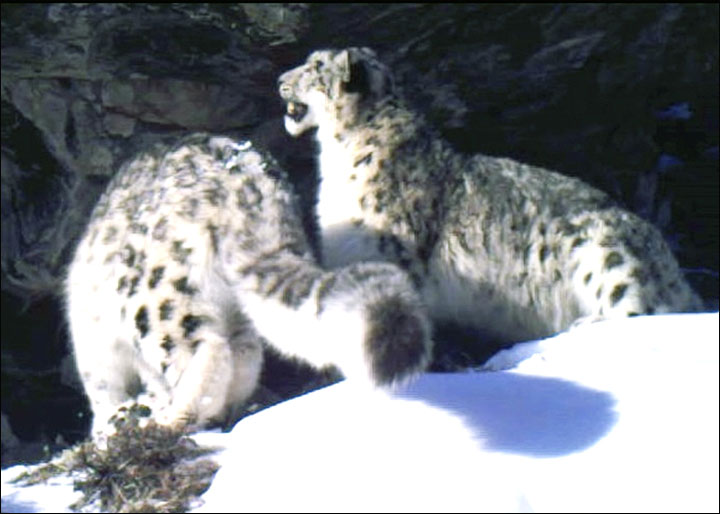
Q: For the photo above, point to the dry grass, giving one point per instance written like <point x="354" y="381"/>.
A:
<point x="149" y="468"/>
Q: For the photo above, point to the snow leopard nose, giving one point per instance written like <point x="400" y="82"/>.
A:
<point x="285" y="89"/>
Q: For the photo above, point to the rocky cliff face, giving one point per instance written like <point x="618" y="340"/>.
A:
<point x="624" y="96"/>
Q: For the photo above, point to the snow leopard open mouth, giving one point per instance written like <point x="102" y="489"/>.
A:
<point x="296" y="110"/>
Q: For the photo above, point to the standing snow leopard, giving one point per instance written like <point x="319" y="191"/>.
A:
<point x="193" y="256"/>
<point x="514" y="251"/>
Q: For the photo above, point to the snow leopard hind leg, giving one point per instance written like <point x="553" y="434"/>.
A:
<point x="535" y="252"/>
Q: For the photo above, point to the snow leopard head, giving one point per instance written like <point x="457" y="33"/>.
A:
<point x="331" y="87"/>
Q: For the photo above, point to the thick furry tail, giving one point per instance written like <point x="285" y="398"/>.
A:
<point x="366" y="318"/>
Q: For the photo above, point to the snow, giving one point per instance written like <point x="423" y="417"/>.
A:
<point x="53" y="496"/>
<point x="611" y="416"/>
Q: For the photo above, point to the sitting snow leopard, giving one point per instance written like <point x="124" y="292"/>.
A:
<point x="194" y="256"/>
<point x="515" y="251"/>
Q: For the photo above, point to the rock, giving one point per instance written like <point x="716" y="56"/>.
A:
<point x="611" y="93"/>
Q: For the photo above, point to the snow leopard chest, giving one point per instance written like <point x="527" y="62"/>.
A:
<point x="348" y="226"/>
<point x="342" y="185"/>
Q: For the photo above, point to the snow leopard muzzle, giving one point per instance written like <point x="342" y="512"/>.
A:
<point x="296" y="110"/>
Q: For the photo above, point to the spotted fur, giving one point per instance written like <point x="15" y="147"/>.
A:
<point x="193" y="257"/>
<point x="512" y="250"/>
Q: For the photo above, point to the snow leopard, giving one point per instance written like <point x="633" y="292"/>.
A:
<point x="513" y="251"/>
<point x="194" y="259"/>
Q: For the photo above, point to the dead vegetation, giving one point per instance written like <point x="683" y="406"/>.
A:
<point x="150" y="468"/>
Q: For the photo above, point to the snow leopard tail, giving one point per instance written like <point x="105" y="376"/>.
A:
<point x="366" y="318"/>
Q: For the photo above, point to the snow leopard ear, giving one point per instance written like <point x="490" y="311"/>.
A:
<point x="364" y="75"/>
<point x="342" y="61"/>
<point x="358" y="78"/>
